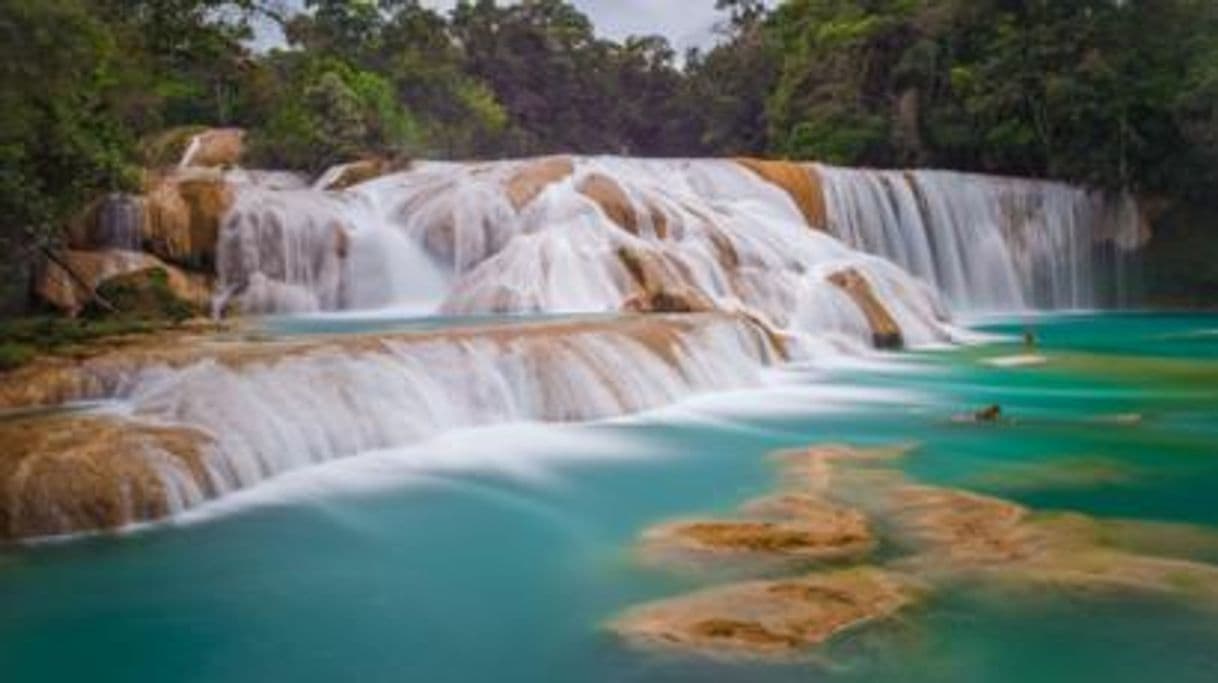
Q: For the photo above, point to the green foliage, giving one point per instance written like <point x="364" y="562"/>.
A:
<point x="142" y="295"/>
<point x="327" y="113"/>
<point x="23" y="339"/>
<point x="1111" y="94"/>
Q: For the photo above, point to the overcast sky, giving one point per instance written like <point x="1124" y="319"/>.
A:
<point x="685" y="23"/>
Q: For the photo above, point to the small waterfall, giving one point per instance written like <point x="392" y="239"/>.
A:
<point x="348" y="397"/>
<point x="986" y="243"/>
<point x="297" y="250"/>
<point x="119" y="222"/>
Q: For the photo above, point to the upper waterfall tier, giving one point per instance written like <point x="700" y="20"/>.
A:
<point x="564" y="234"/>
<point x="567" y="235"/>
<point x="984" y="242"/>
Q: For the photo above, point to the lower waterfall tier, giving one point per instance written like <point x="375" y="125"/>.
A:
<point x="197" y="421"/>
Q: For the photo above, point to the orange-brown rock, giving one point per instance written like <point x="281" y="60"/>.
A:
<point x="215" y="148"/>
<point x="69" y="286"/>
<point x="827" y="534"/>
<point x="535" y="176"/>
<point x="612" y="199"/>
<point x="800" y="181"/>
<point x="769" y="618"/>
<point x="356" y="172"/>
<point x="183" y="217"/>
<point x="658" y="288"/>
<point x="952" y="535"/>
<point x="68" y="474"/>
<point x="885" y="332"/>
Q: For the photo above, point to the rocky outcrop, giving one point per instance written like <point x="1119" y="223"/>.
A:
<point x="356" y="172"/>
<point x="939" y="536"/>
<point x="769" y="618"/>
<point x="65" y="474"/>
<point x="535" y="176"/>
<point x="800" y="181"/>
<point x="214" y="148"/>
<point x="618" y="207"/>
<point x="68" y="283"/>
<point x="816" y="532"/>
<point x="885" y="332"/>
<point x="658" y="290"/>
<point x="177" y="219"/>
<point x="183" y="219"/>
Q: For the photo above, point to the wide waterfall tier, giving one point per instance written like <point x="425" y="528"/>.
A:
<point x="988" y="243"/>
<point x="567" y="235"/>
<point x="199" y="420"/>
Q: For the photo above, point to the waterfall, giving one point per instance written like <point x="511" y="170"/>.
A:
<point x="582" y="235"/>
<point x="297" y="250"/>
<point x="986" y="243"/>
<point x="119" y="220"/>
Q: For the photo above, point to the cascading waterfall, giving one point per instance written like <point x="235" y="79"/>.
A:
<point x="491" y="238"/>
<point x="197" y="425"/>
<point x="336" y="402"/>
<point x="985" y="243"/>
<point x="783" y="260"/>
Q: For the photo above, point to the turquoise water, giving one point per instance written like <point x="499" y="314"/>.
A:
<point x="509" y="575"/>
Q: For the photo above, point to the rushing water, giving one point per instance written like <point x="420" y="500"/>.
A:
<point x="987" y="243"/>
<point x="498" y="553"/>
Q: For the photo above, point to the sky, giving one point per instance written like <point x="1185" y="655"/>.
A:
<point x="686" y="23"/>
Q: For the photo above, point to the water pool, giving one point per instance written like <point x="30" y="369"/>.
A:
<point x="503" y="557"/>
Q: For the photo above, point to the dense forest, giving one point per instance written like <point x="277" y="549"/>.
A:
<point x="1118" y="94"/>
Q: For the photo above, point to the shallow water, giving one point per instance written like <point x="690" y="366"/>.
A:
<point x="498" y="554"/>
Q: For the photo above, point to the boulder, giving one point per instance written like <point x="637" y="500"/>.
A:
<point x="356" y="172"/>
<point x="885" y="332"/>
<point x="183" y="216"/>
<point x="801" y="181"/>
<point x="68" y="282"/>
<point x="214" y="148"/>
<point x="535" y="176"/>
<point x="67" y="474"/>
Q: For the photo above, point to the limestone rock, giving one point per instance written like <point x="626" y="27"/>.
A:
<point x="183" y="216"/>
<point x="769" y="618"/>
<point x="356" y="172"/>
<point x="69" y="474"/>
<point x="535" y="176"/>
<point x="71" y="291"/>
<point x="824" y="534"/>
<point x="215" y="148"/>
<point x="885" y="332"/>
<point x="800" y="181"/>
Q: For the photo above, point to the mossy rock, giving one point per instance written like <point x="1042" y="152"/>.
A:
<point x="145" y="295"/>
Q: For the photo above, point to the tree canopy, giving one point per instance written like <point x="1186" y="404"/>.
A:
<point x="1118" y="94"/>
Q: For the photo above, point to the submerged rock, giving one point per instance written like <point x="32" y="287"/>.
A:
<point x="769" y="618"/>
<point x="819" y="532"/>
